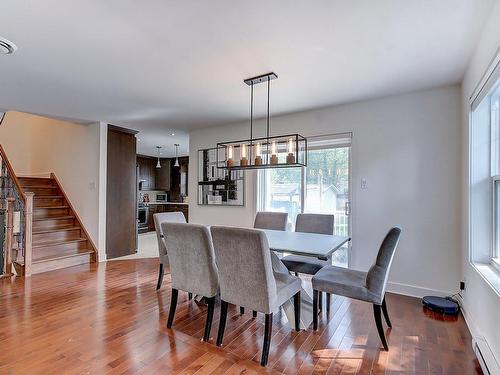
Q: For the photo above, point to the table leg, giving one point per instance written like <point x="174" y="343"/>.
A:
<point x="306" y="310"/>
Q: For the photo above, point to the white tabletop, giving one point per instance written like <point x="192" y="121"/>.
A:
<point x="308" y="244"/>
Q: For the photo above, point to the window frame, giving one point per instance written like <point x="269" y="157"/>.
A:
<point x="495" y="233"/>
<point x="489" y="266"/>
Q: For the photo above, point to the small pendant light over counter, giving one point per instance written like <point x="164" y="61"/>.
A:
<point x="176" y="155"/>
<point x="158" y="164"/>
<point x="281" y="151"/>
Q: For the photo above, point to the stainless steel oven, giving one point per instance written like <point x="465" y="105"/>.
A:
<point x="142" y="216"/>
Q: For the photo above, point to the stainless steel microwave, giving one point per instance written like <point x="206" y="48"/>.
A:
<point x="161" y="197"/>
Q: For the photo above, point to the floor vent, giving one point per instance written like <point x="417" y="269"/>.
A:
<point x="485" y="356"/>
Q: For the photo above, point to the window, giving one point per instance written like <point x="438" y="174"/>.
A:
<point x="321" y="187"/>
<point x="484" y="159"/>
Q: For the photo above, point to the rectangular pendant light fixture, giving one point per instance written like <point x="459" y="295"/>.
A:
<point x="281" y="151"/>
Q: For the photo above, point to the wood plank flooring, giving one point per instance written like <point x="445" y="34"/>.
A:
<point x="108" y="319"/>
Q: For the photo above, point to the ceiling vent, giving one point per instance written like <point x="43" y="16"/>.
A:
<point x="7" y="47"/>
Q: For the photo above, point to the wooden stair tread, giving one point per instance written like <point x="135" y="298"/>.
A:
<point x="38" y="186"/>
<point x="48" y="197"/>
<point x="53" y="218"/>
<point x="55" y="230"/>
<point x="62" y="256"/>
<point x="48" y="207"/>
<point x="57" y="242"/>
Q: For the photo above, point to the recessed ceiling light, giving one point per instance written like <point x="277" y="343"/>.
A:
<point x="7" y="47"/>
<point x="138" y="139"/>
<point x="172" y="134"/>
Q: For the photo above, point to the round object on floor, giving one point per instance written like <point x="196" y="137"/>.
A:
<point x="441" y="304"/>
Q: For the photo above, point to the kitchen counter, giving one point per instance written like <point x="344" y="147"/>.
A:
<point x="176" y="203"/>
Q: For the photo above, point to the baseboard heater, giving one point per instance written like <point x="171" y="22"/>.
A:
<point x="485" y="356"/>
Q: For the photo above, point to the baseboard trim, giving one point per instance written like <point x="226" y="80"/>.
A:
<point x="415" y="291"/>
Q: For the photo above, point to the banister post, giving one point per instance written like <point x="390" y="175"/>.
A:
<point x="28" y="233"/>
<point x="9" y="235"/>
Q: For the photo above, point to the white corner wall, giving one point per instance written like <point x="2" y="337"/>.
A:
<point x="407" y="147"/>
<point x="37" y="146"/>
<point x="481" y="302"/>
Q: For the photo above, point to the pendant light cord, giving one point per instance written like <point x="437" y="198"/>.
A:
<point x="251" y="113"/>
<point x="268" y="91"/>
<point x="268" y="96"/>
<point x="251" y="123"/>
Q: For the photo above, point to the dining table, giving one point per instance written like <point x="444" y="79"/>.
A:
<point x="320" y="246"/>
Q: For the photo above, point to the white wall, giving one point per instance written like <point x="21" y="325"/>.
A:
<point x="37" y="146"/>
<point x="408" y="149"/>
<point x="481" y="302"/>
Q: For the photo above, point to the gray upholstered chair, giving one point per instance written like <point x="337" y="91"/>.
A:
<point x="271" y="220"/>
<point x="192" y="266"/>
<point x="311" y="223"/>
<point x="365" y="286"/>
<point x="164" y="217"/>
<point x="247" y="278"/>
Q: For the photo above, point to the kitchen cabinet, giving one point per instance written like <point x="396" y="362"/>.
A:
<point x="153" y="209"/>
<point x="152" y="178"/>
<point x="121" y="192"/>
<point x="162" y="177"/>
<point x="147" y="176"/>
<point x="179" y="187"/>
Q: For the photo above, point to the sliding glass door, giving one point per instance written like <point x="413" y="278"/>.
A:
<point x="322" y="187"/>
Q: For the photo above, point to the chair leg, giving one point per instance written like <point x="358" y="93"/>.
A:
<point x="242" y="310"/>
<point x="254" y="314"/>
<point x="222" y="323"/>
<point x="210" y="317"/>
<point x="267" y="339"/>
<point x="320" y="301"/>
<point x="160" y="277"/>
<point x="386" y="313"/>
<point x="328" y="300"/>
<point x="296" y="310"/>
<point x="380" y="328"/>
<point x="173" y="306"/>
<point x="315" y="309"/>
<point x="190" y="295"/>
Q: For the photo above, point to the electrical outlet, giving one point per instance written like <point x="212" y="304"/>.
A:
<point x="462" y="285"/>
<point x="364" y="184"/>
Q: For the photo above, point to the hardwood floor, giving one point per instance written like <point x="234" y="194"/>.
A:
<point x="108" y="319"/>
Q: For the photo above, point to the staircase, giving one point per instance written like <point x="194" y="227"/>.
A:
<point x="59" y="239"/>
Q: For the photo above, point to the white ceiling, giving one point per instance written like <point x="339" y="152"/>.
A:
<point x="159" y="65"/>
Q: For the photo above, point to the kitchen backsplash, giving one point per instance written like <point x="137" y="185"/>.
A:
<point x="151" y="194"/>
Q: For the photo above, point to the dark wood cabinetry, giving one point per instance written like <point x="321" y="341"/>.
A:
<point x="121" y="202"/>
<point x="151" y="211"/>
<point x="179" y="187"/>
<point x="162" y="175"/>
<point x="171" y="207"/>
<point x="147" y="174"/>
<point x="152" y="178"/>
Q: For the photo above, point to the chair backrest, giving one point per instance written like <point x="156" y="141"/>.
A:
<point x="376" y="279"/>
<point x="245" y="272"/>
<point x="165" y="217"/>
<point x="314" y="223"/>
<point x="192" y="259"/>
<point x="271" y="220"/>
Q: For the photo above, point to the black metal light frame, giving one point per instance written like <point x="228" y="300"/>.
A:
<point x="298" y="139"/>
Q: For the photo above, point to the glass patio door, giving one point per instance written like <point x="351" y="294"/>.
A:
<point x="327" y="184"/>
<point x="322" y="187"/>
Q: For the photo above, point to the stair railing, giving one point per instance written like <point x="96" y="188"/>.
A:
<point x="6" y="236"/>
<point x="19" y="250"/>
